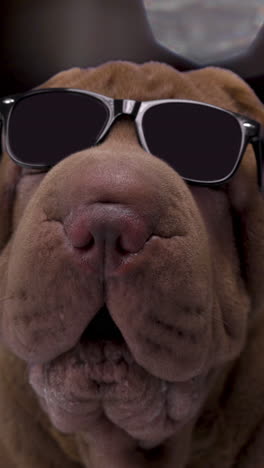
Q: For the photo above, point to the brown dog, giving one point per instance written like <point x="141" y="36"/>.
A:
<point x="182" y="382"/>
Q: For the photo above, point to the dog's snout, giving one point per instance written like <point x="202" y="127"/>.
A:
<point x="104" y="234"/>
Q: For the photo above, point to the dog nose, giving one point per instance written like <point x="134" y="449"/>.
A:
<point x="105" y="234"/>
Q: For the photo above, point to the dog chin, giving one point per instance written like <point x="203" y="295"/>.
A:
<point x="99" y="381"/>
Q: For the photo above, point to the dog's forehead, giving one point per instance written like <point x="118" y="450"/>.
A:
<point x="127" y="80"/>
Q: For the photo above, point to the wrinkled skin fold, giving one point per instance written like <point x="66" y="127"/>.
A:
<point x="186" y="302"/>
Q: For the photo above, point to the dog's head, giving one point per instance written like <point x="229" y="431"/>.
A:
<point x="125" y="288"/>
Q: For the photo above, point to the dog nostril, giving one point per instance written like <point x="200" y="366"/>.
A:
<point x="119" y="247"/>
<point x="90" y="243"/>
<point x="102" y="327"/>
<point x="105" y="234"/>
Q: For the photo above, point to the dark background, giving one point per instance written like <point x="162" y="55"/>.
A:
<point x="35" y="35"/>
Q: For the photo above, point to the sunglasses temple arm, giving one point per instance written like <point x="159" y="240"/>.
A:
<point x="258" y="145"/>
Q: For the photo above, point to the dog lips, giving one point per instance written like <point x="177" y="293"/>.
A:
<point x="105" y="361"/>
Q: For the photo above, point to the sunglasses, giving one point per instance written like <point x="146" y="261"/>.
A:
<point x="203" y="143"/>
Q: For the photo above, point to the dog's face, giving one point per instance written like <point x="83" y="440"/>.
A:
<point x="130" y="336"/>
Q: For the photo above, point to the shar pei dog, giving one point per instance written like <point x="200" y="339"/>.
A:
<point x="132" y="270"/>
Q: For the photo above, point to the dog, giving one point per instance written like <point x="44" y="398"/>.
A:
<point x="112" y="239"/>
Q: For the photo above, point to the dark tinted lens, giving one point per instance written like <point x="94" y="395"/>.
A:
<point x="201" y="143"/>
<point x="45" y="128"/>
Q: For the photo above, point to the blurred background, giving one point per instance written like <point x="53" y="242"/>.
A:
<point x="205" y="30"/>
<point x="41" y="38"/>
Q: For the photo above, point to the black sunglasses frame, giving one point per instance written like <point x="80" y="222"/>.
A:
<point x="251" y="130"/>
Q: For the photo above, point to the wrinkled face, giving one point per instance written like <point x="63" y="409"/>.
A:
<point x="122" y="285"/>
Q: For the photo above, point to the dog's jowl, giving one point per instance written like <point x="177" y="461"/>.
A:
<point x="131" y="271"/>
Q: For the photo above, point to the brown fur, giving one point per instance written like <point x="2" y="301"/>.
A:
<point x="191" y="308"/>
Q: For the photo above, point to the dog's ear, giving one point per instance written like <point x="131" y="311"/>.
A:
<point x="248" y="210"/>
<point x="246" y="199"/>
<point x="9" y="175"/>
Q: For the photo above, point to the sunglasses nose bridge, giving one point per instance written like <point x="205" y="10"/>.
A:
<point x="128" y="106"/>
<point x="122" y="107"/>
